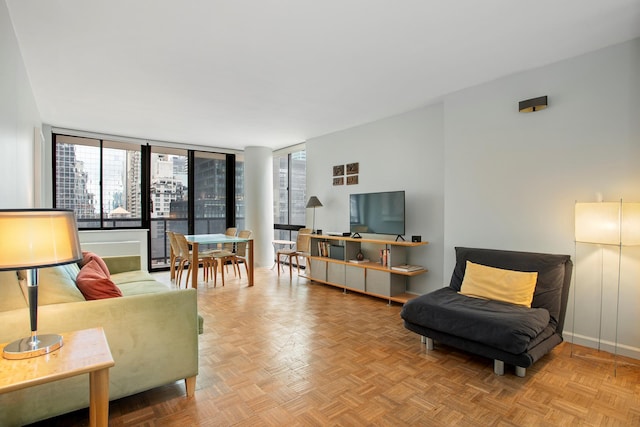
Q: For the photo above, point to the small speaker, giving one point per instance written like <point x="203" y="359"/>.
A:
<point x="416" y="238"/>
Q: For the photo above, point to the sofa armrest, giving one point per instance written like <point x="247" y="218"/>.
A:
<point x="153" y="340"/>
<point x="120" y="264"/>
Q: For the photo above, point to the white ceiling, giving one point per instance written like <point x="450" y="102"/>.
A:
<point x="237" y="73"/>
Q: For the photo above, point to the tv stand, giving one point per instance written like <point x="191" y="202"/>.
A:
<point x="334" y="261"/>
<point x="356" y="236"/>
<point x="399" y="237"/>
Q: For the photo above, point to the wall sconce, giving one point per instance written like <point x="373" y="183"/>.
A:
<point x="607" y="223"/>
<point x="533" y="104"/>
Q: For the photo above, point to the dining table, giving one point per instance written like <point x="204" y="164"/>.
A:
<point x="195" y="240"/>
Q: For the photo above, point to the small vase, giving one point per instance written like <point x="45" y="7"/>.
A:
<point x="360" y="256"/>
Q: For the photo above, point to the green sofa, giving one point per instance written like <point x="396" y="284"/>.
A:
<point x="152" y="333"/>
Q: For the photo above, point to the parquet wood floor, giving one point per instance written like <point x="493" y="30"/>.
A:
<point x="302" y="354"/>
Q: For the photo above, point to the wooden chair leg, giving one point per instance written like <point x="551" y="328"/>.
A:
<point x="290" y="266"/>
<point x="178" y="275"/>
<point x="214" y="266"/>
<point x="180" y="272"/>
<point x="298" y="264"/>
<point x="236" y="269"/>
<point x="278" y="263"/>
<point x="186" y="284"/>
<point x="235" y="261"/>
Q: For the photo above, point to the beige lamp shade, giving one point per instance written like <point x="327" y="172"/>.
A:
<point x="608" y="223"/>
<point x="598" y="223"/>
<point x="630" y="224"/>
<point x="33" y="238"/>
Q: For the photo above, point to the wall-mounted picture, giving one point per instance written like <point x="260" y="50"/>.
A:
<point x="338" y="181"/>
<point x="352" y="179"/>
<point x="338" y="170"/>
<point x="352" y="168"/>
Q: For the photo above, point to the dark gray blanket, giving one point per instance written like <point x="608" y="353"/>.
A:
<point x="507" y="327"/>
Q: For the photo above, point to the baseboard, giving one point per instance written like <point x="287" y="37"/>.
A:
<point x="608" y="346"/>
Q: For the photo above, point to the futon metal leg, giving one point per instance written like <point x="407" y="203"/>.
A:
<point x="521" y="372"/>
<point x="429" y="342"/>
<point x="498" y="367"/>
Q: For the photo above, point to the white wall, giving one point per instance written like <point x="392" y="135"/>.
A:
<point x="116" y="243"/>
<point x="403" y="152"/>
<point x="511" y="179"/>
<point x="19" y="117"/>
<point x="519" y="174"/>
<point x="479" y="173"/>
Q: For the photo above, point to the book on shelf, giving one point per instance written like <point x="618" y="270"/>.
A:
<point x="385" y="255"/>
<point x="407" y="267"/>
<point x="323" y="249"/>
<point x="358" y="261"/>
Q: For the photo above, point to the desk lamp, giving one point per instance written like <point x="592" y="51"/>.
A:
<point x="314" y="203"/>
<point x="32" y="239"/>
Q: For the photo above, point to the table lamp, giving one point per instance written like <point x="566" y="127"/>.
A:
<point x="314" y="203"/>
<point x="32" y="239"/>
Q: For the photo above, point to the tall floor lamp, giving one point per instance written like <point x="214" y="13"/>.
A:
<point x="32" y="239"/>
<point x="314" y="203"/>
<point x="608" y="223"/>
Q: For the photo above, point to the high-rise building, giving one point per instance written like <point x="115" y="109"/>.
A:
<point x="133" y="191"/>
<point x="71" y="184"/>
<point x="166" y="186"/>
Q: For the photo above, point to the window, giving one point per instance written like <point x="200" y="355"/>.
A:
<point x="99" y="180"/>
<point x="168" y="195"/>
<point x="210" y="192"/>
<point x="239" y="193"/>
<point x="289" y="193"/>
<point x="111" y="184"/>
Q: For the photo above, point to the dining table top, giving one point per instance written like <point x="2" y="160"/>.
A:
<point x="214" y="238"/>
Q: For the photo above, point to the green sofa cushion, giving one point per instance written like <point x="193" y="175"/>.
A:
<point x="57" y="285"/>
<point x="142" y="287"/>
<point x="131" y="276"/>
<point x="11" y="296"/>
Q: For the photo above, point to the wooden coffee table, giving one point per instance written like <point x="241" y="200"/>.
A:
<point x="82" y="352"/>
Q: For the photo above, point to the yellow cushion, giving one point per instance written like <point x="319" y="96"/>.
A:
<point x="515" y="287"/>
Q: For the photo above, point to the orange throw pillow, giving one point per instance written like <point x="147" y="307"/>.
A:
<point x="88" y="256"/>
<point x="94" y="284"/>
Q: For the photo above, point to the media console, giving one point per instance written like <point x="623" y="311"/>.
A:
<point x="334" y="261"/>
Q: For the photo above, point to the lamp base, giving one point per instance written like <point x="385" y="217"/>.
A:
<point x="23" y="348"/>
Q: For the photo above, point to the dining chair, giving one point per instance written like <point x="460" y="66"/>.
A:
<point x="302" y="249"/>
<point x="175" y="251"/>
<point x="240" y="255"/>
<point x="204" y="257"/>
<point x="231" y="232"/>
<point x="220" y="259"/>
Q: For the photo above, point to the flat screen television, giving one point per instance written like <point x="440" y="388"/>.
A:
<point x="377" y="213"/>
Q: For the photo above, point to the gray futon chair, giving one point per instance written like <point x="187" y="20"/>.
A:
<point x="508" y="333"/>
